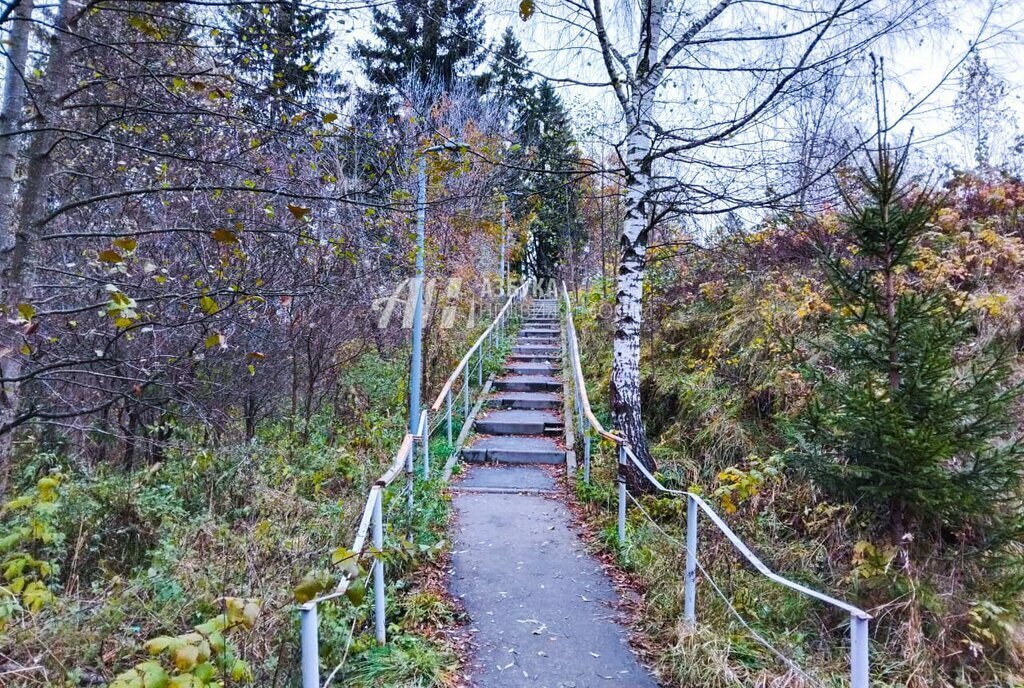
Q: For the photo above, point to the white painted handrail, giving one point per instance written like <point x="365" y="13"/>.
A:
<point x="371" y="523"/>
<point x="587" y="422"/>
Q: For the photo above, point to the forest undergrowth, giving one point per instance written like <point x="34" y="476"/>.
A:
<point x="186" y="572"/>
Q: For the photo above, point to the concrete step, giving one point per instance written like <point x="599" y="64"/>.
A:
<point x="532" y="368"/>
<point x="518" y="422"/>
<point x="514" y="450"/>
<point x="506" y="477"/>
<point x="536" y="341"/>
<point x="536" y="349"/>
<point x="525" y="400"/>
<point x="528" y="383"/>
<point x="553" y="357"/>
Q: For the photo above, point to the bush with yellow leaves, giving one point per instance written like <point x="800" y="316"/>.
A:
<point x="201" y="658"/>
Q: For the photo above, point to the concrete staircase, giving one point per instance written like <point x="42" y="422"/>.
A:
<point x="542" y="610"/>
<point x="523" y="420"/>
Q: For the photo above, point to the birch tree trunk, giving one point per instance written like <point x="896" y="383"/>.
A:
<point x="16" y="274"/>
<point x="626" y="407"/>
<point x="11" y="111"/>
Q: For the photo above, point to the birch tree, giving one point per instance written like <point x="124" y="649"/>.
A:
<point x="696" y="87"/>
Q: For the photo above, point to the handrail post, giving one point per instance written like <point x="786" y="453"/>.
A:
<point x="410" y="478"/>
<point x="586" y="459"/>
<point x="379" y="593"/>
<point x="480" y="366"/>
<point x="425" y="439"/>
<point x="465" y="392"/>
<point x="690" y="578"/>
<point x="622" y="494"/>
<point x="308" y="632"/>
<point x="448" y="413"/>
<point x="859" y="660"/>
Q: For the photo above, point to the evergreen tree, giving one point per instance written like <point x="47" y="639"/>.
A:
<point x="281" y="45"/>
<point x="911" y="419"/>
<point x="507" y="81"/>
<point x="509" y="90"/>
<point x="554" y="155"/>
<point x="433" y="41"/>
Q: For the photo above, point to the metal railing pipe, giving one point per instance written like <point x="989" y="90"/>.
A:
<point x="622" y="494"/>
<point x="448" y="413"/>
<point x="690" y="575"/>
<point x="371" y="524"/>
<point x="379" y="591"/>
<point x="309" y="635"/>
<point x="859" y="619"/>
<point x="425" y="443"/>
<point x="859" y="659"/>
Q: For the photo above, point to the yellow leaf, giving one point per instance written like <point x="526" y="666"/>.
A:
<point x="126" y="243"/>
<point x="155" y="646"/>
<point x="224" y="236"/>
<point x="330" y="117"/>
<point x="298" y="211"/>
<point x="185" y="657"/>
<point x="526" y="8"/>
<point x="208" y="305"/>
<point x="110" y="256"/>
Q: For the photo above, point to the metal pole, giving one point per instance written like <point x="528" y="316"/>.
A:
<point x="465" y="391"/>
<point x="586" y="459"/>
<point x="417" y="318"/>
<point x="622" y="494"/>
<point x="480" y="365"/>
<point x="409" y="480"/>
<point x="448" y="404"/>
<point x="690" y="579"/>
<point x="859" y="661"/>
<point x="379" y="593"/>
<point x="310" y="645"/>
<point x="426" y="446"/>
<point x="502" y="287"/>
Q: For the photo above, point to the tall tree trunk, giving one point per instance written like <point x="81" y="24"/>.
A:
<point x="11" y="111"/>
<point x="626" y="409"/>
<point x="16" y="274"/>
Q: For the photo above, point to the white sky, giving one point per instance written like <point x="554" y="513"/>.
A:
<point x="916" y="68"/>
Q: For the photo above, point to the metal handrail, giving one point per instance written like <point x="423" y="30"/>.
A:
<point x="515" y="298"/>
<point x="859" y="619"/>
<point x="479" y="347"/>
<point x="371" y="523"/>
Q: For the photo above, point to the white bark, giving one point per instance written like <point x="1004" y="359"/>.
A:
<point x="11" y="110"/>
<point x="626" y="407"/>
<point x="15" y="263"/>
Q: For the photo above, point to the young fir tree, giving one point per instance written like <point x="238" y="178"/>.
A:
<point x="910" y="419"/>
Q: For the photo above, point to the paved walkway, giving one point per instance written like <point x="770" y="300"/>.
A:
<point x="541" y="609"/>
